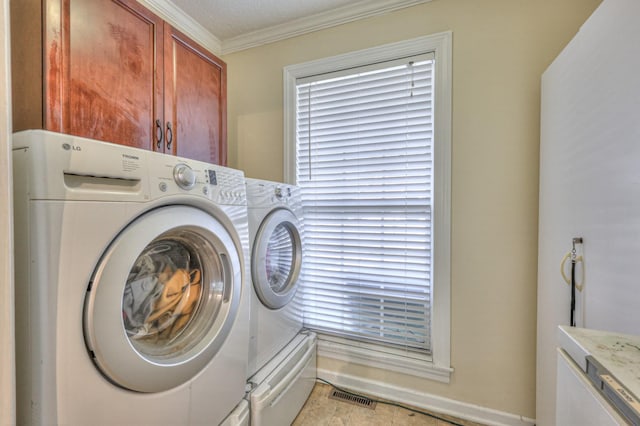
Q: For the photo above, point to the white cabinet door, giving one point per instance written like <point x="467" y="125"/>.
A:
<point x="577" y="401"/>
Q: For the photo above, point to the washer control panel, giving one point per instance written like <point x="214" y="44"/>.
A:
<point x="184" y="176"/>
<point x="174" y="175"/>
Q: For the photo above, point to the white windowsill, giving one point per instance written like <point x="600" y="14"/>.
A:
<point x="370" y="355"/>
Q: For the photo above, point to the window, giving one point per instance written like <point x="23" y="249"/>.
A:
<point x="368" y="143"/>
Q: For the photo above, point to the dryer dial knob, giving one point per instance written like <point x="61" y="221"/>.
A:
<point x="184" y="176"/>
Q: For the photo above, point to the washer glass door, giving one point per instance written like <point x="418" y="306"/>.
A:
<point x="163" y="299"/>
<point x="276" y="259"/>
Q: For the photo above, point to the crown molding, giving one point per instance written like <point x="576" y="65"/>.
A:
<point x="184" y="23"/>
<point x="349" y="13"/>
<point x="338" y="16"/>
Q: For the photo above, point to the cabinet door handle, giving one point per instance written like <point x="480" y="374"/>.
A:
<point x="158" y="134"/>
<point x="169" y="135"/>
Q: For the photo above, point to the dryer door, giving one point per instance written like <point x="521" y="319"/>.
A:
<point x="276" y="258"/>
<point x="163" y="299"/>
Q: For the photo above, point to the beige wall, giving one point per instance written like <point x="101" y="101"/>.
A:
<point x="500" y="49"/>
<point x="7" y="390"/>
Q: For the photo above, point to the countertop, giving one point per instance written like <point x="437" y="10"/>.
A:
<point x="617" y="353"/>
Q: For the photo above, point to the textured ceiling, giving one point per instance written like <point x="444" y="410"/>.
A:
<point x="227" y="19"/>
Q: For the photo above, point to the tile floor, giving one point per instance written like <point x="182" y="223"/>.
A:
<point x="319" y="410"/>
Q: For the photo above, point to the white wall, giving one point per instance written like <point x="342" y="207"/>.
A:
<point x="7" y="392"/>
<point x="590" y="184"/>
<point x="500" y="49"/>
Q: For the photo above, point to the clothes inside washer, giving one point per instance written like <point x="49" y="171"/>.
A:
<point x="159" y="297"/>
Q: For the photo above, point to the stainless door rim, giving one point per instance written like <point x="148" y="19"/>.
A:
<point x="270" y="298"/>
<point x="104" y="331"/>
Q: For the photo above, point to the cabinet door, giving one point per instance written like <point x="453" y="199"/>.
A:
<point x="195" y="100"/>
<point x="578" y="403"/>
<point x="100" y="66"/>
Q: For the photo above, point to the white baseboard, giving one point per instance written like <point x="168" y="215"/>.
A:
<point x="424" y="401"/>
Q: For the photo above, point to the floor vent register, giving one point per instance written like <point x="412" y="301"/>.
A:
<point x="360" y="401"/>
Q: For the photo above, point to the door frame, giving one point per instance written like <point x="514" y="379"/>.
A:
<point x="7" y="360"/>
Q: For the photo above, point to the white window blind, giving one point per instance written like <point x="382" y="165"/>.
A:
<point x="364" y="163"/>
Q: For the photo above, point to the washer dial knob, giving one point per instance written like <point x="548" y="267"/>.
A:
<point x="184" y="176"/>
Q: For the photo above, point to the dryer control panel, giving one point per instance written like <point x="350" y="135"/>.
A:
<point x="269" y="194"/>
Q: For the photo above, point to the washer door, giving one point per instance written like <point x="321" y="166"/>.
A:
<point x="163" y="299"/>
<point x="276" y="259"/>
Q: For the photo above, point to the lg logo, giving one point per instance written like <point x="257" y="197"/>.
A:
<point x="69" y="147"/>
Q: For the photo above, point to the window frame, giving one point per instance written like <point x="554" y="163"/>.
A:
<point x="437" y="365"/>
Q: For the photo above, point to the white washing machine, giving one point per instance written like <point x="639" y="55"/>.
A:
<point x="282" y="357"/>
<point x="130" y="306"/>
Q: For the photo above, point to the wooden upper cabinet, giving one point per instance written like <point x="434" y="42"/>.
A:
<point x="114" y="71"/>
<point x="110" y="88"/>
<point x="195" y="99"/>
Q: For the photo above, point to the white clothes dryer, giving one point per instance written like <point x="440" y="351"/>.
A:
<point x="282" y="357"/>
<point x="276" y="238"/>
<point x="130" y="306"/>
